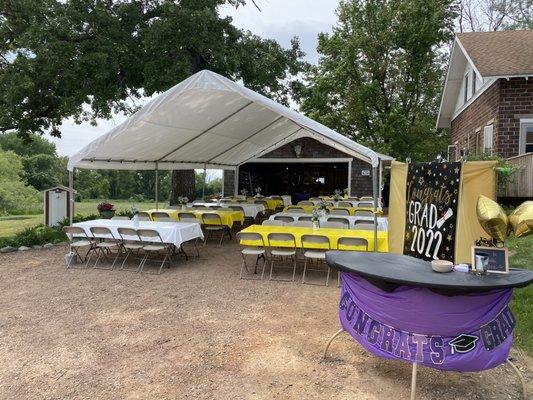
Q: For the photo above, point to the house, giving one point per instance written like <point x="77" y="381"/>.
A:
<point x="487" y="101"/>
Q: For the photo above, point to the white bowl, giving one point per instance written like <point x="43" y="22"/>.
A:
<point x="441" y="265"/>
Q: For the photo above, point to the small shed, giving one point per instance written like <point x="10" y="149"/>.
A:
<point x="58" y="204"/>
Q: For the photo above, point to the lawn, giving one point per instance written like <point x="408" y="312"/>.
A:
<point x="10" y="225"/>
<point x="522" y="304"/>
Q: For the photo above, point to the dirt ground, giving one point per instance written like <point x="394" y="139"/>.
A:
<point x="195" y="332"/>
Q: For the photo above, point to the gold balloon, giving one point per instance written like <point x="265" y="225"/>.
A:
<point x="521" y="219"/>
<point x="492" y="218"/>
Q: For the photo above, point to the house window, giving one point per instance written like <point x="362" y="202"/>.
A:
<point x="487" y="138"/>
<point x="473" y="82"/>
<point x="465" y="91"/>
<point x="526" y="136"/>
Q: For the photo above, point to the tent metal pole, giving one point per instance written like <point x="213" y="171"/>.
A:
<point x="71" y="194"/>
<point x="156" y="186"/>
<point x="236" y="182"/>
<point x="375" y="181"/>
<point x="203" y="188"/>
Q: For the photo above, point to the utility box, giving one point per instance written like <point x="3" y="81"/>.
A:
<point x="57" y="205"/>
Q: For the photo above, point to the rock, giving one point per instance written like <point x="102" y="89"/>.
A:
<point x="48" y="245"/>
<point x="36" y="247"/>
<point x="23" y="248"/>
<point x="8" y="249"/>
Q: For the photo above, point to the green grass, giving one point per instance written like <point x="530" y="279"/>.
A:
<point x="12" y="224"/>
<point x="521" y="256"/>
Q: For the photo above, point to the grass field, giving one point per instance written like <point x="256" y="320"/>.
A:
<point x="10" y="225"/>
<point x="521" y="256"/>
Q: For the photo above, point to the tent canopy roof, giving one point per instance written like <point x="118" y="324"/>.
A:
<point x="207" y="121"/>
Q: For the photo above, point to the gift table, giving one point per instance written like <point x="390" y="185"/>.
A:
<point x="397" y="307"/>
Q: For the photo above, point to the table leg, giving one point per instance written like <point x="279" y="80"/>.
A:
<point x="331" y="340"/>
<point x="413" y="381"/>
<point x="521" y="377"/>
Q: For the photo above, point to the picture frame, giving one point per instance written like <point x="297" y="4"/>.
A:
<point x="495" y="259"/>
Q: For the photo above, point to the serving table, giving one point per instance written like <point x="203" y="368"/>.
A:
<point x="397" y="307"/>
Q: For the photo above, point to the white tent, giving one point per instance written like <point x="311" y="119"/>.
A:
<point x="207" y="121"/>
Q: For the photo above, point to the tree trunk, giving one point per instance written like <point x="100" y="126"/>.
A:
<point x="183" y="185"/>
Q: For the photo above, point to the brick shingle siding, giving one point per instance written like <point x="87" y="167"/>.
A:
<point x="503" y="103"/>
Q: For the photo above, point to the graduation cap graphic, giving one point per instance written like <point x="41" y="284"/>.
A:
<point x="463" y="343"/>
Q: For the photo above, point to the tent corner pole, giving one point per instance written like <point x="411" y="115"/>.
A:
<point x="203" y="187"/>
<point x="157" y="186"/>
<point x="71" y="194"/>
<point x="375" y="182"/>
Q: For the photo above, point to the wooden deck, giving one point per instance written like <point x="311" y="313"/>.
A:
<point x="521" y="184"/>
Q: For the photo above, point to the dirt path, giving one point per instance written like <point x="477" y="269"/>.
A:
<point x="195" y="332"/>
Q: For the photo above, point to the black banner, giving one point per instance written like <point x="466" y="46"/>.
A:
<point x="431" y="210"/>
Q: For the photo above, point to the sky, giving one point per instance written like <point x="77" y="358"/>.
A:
<point x="278" y="19"/>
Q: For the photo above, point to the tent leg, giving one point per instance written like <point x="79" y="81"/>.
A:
<point x="375" y="182"/>
<point x="156" y="186"/>
<point x="413" y="381"/>
<point x="71" y="193"/>
<point x="203" y="187"/>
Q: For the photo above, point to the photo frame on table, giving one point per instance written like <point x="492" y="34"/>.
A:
<point x="494" y="259"/>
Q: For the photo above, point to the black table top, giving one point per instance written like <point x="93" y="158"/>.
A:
<point x="389" y="271"/>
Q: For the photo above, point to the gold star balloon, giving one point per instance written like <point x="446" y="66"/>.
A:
<point x="521" y="219"/>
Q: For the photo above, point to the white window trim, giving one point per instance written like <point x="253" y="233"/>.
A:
<point x="485" y="131"/>
<point x="522" y="140"/>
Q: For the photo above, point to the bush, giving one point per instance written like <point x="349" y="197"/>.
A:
<point x="138" y="198"/>
<point x="37" y="235"/>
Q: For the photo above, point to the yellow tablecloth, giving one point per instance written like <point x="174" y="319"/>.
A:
<point x="271" y="204"/>
<point x="332" y="234"/>
<point x="228" y="218"/>
<point x="351" y="210"/>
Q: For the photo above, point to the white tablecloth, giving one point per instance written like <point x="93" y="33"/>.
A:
<point x="383" y="224"/>
<point x="250" y="210"/>
<point x="175" y="233"/>
<point x="287" y="200"/>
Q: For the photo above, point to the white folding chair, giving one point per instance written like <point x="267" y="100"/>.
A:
<point x="213" y="223"/>
<point x="339" y="211"/>
<point x="106" y="242"/>
<point x="295" y="210"/>
<point x="78" y="239"/>
<point x="152" y="243"/>
<point x="345" y="204"/>
<point x="130" y="242"/>
<point x="342" y="220"/>
<point x="348" y="244"/>
<point x="333" y="225"/>
<point x="159" y="215"/>
<point x="273" y="222"/>
<point x="306" y="203"/>
<point x="258" y="251"/>
<point x="364" y="213"/>
<point x="364" y="225"/>
<point x="302" y="224"/>
<point x="309" y="244"/>
<point x="284" y="218"/>
<point x="282" y="253"/>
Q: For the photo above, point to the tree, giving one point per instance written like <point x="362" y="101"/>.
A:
<point x="15" y="195"/>
<point x="495" y="15"/>
<point x="379" y="77"/>
<point x="89" y="58"/>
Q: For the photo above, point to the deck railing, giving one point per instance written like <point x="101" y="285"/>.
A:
<point x="521" y="184"/>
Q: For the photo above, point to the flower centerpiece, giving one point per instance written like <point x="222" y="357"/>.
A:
<point x="316" y="218"/>
<point x="106" y="210"/>
<point x="182" y="201"/>
<point x="346" y="195"/>
<point x="258" y="192"/>
<point x="135" y="213"/>
<point x="322" y="208"/>
<point x="337" y="195"/>
<point x="244" y="193"/>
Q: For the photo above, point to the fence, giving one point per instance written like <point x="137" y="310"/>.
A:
<point x="521" y="184"/>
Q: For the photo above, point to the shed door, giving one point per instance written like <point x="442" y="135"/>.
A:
<point x="58" y="207"/>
